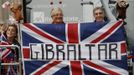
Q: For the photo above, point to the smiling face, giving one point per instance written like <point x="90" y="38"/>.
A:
<point x="57" y="16"/>
<point x="11" y="31"/>
<point x="99" y="14"/>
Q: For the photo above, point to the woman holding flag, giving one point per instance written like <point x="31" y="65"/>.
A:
<point x="13" y="56"/>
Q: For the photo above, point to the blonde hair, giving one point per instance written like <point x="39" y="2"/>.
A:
<point x="55" y="10"/>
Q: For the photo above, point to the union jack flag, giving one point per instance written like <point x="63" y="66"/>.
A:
<point x="74" y="33"/>
<point x="6" y="51"/>
<point x="2" y="38"/>
<point x="7" y="56"/>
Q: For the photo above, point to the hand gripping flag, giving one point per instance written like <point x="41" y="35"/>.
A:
<point x="74" y="33"/>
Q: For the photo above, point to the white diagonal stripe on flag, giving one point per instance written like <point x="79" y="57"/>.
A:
<point x="96" y="69"/>
<point x="56" y="68"/>
<point x="46" y="33"/>
<point x="43" y="33"/>
<point x="101" y="32"/>
<point x="102" y="68"/>
<point x="5" y="53"/>
<point x="35" y="35"/>
<point x="110" y="67"/>
<point x="53" y="69"/>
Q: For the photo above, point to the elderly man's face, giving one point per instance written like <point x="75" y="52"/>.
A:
<point x="57" y="17"/>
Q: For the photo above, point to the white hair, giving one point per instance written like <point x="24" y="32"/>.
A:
<point x="55" y="10"/>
